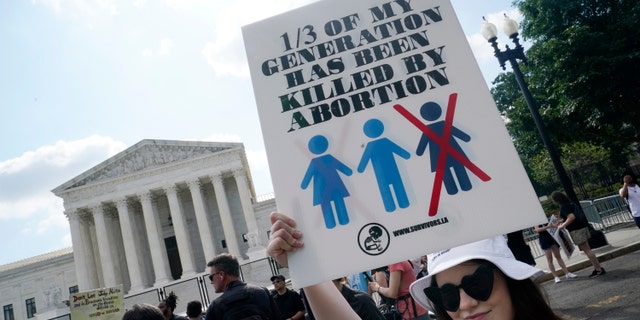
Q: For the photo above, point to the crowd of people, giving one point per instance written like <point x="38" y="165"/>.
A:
<point x="494" y="275"/>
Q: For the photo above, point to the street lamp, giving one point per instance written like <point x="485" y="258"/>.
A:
<point x="510" y="28"/>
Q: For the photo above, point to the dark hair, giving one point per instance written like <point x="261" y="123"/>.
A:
<point x="629" y="173"/>
<point x="528" y="301"/>
<point x="171" y="301"/>
<point x="383" y="269"/>
<point x="194" y="308"/>
<point x="559" y="197"/>
<point x="143" y="312"/>
<point x="227" y="263"/>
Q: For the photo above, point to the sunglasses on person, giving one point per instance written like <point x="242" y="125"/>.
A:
<point x="477" y="285"/>
<point x="213" y="275"/>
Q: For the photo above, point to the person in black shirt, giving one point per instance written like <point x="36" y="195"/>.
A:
<point x="360" y="301"/>
<point x="288" y="301"/>
<point x="574" y="220"/>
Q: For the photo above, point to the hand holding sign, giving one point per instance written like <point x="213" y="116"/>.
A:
<point x="326" y="79"/>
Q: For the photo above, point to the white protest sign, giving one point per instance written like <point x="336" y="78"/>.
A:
<point x="563" y="238"/>
<point x="382" y="138"/>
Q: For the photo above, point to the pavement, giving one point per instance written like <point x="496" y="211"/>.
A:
<point x="622" y="240"/>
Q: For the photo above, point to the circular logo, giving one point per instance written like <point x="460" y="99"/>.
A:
<point x="373" y="239"/>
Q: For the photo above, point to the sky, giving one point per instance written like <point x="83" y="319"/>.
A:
<point x="81" y="80"/>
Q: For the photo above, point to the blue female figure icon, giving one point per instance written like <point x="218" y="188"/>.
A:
<point x="327" y="184"/>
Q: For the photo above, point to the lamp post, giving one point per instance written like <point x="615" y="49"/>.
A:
<point x="510" y="28"/>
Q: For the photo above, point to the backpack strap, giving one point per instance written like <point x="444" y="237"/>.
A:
<point x="406" y="298"/>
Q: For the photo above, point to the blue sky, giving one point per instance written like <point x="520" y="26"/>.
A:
<point x="83" y="80"/>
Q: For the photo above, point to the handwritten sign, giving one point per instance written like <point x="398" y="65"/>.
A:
<point x="382" y="138"/>
<point x="104" y="304"/>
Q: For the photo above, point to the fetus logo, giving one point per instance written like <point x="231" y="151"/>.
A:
<point x="373" y="239"/>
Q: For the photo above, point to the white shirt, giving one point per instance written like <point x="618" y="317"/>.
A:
<point x="633" y="199"/>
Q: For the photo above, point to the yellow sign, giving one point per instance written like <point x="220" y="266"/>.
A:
<point x="104" y="304"/>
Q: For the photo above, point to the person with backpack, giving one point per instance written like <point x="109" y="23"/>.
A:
<point x="574" y="220"/>
<point x="360" y="301"/>
<point x="387" y="305"/>
<point x="401" y="276"/>
<point x="239" y="300"/>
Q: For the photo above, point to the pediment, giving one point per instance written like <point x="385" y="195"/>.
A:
<point x="144" y="155"/>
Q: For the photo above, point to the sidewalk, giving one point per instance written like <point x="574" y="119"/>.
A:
<point x="621" y="241"/>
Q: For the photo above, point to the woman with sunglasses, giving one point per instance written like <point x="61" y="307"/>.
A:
<point x="481" y="280"/>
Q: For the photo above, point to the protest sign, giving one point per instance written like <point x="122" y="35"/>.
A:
<point x="382" y="138"/>
<point x="563" y="238"/>
<point x="103" y="304"/>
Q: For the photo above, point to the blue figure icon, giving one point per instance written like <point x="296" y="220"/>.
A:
<point x="327" y="184"/>
<point x="380" y="152"/>
<point x="431" y="111"/>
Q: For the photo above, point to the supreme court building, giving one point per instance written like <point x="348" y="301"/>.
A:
<point x="149" y="216"/>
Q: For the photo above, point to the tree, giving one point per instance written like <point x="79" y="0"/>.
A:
<point x="583" y="71"/>
<point x="587" y="55"/>
<point x="584" y="163"/>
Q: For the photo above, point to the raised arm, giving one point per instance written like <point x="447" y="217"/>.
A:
<point x="324" y="298"/>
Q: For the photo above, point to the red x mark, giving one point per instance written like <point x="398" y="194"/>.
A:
<point x="445" y="150"/>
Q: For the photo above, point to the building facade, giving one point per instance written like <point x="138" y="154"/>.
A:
<point x="153" y="215"/>
<point x="38" y="286"/>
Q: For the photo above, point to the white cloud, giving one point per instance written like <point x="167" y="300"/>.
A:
<point x="165" y="44"/>
<point x="54" y="220"/>
<point x="260" y="173"/>
<point x="225" y="53"/>
<point x="257" y="159"/>
<point x="30" y="205"/>
<point x="66" y="240"/>
<point x="82" y="8"/>
<point x="139" y="3"/>
<point x="481" y="48"/>
<point x="223" y="64"/>
<point x="53" y="4"/>
<point x="163" y="48"/>
<point x="223" y="137"/>
<point x="26" y="181"/>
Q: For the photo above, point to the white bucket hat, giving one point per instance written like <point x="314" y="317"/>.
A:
<point x="494" y="250"/>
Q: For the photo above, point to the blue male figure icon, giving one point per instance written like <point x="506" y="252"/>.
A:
<point x="381" y="154"/>
<point x="431" y="111"/>
<point x="328" y="187"/>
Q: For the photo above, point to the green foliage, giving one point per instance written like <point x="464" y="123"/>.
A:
<point x="586" y="56"/>
<point x="549" y="207"/>
<point x="583" y="71"/>
<point x="574" y="157"/>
